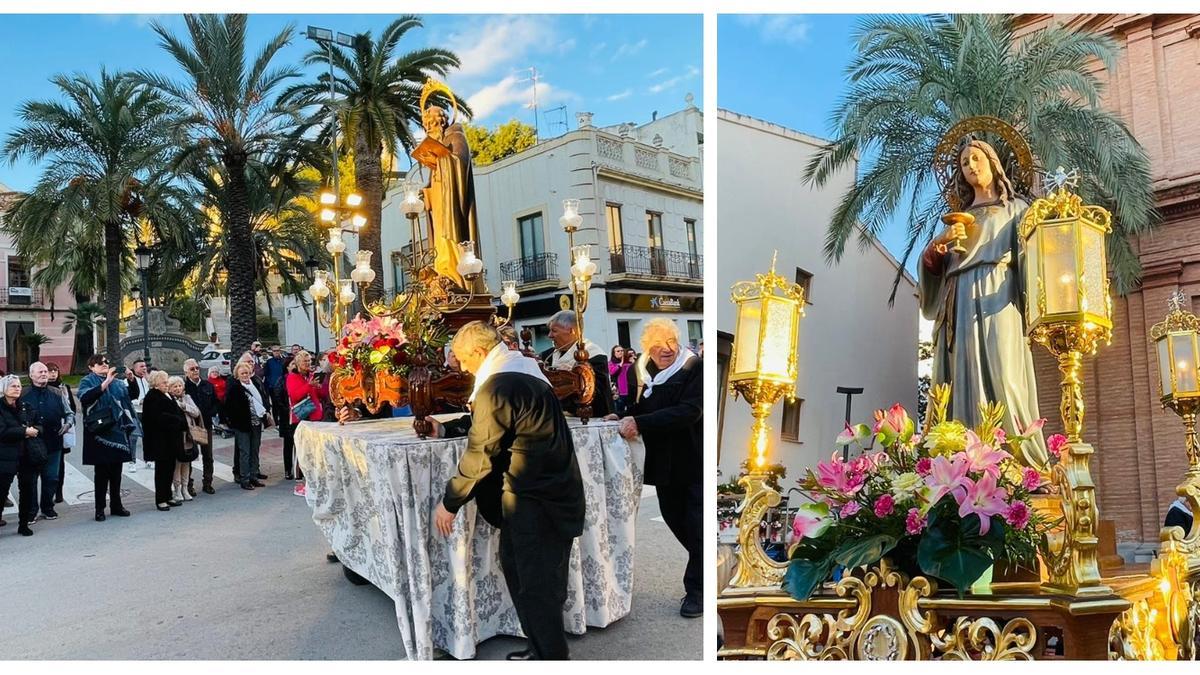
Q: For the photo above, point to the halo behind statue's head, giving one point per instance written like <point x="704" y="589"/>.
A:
<point x="432" y="87"/>
<point x="945" y="156"/>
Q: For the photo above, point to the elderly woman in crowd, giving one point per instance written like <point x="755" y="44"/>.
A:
<point x="107" y="426"/>
<point x="668" y="414"/>
<point x="15" y="457"/>
<point x="232" y="383"/>
<point x="246" y="406"/>
<point x="302" y="385"/>
<point x="163" y="426"/>
<point x="176" y="387"/>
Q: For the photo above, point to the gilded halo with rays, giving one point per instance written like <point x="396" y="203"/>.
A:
<point x="432" y="87"/>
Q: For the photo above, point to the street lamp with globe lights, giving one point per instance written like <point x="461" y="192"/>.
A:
<point x="142" y="255"/>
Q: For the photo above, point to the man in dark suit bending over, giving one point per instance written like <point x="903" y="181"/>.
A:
<point x="519" y="447"/>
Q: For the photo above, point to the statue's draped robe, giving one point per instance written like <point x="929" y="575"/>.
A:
<point x="452" y="203"/>
<point x="977" y="305"/>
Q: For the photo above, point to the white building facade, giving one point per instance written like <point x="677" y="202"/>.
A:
<point x="641" y="198"/>
<point x="849" y="336"/>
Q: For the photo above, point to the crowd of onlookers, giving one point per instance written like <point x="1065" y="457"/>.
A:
<point x="172" y="420"/>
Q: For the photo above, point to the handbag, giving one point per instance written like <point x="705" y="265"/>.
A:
<point x="198" y="433"/>
<point x="96" y="419"/>
<point x="304" y="408"/>
<point x="188" y="453"/>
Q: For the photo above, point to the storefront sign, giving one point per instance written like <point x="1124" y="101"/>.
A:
<point x="637" y="302"/>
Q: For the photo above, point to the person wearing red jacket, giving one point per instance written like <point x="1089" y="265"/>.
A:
<point x="301" y="384"/>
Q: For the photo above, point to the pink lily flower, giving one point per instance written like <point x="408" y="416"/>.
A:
<point x="983" y="498"/>
<point x="983" y="457"/>
<point x="1033" y="427"/>
<point x="840" y="476"/>
<point x="947" y="476"/>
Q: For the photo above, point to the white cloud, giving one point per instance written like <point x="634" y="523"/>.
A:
<point x="597" y="48"/>
<point x="620" y="95"/>
<point x="486" y="46"/>
<point x="783" y="28"/>
<point x="690" y="72"/>
<point x="630" y="48"/>
<point x="656" y="73"/>
<point x="513" y="89"/>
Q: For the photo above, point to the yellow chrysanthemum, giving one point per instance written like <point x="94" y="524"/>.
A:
<point x="946" y="438"/>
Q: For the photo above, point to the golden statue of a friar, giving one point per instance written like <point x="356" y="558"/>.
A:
<point x="971" y="284"/>
<point x="450" y="195"/>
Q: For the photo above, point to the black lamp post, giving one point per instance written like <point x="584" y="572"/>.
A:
<point x="143" y="264"/>
<point x="311" y="265"/>
<point x="850" y="393"/>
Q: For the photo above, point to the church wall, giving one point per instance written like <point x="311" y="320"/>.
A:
<point x="1140" y="457"/>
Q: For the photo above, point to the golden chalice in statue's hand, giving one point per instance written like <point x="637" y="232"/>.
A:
<point x="958" y="222"/>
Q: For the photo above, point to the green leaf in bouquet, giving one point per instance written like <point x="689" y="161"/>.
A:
<point x="858" y="551"/>
<point x="804" y="575"/>
<point x="950" y="552"/>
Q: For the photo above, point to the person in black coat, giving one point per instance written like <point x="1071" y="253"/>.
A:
<point x="520" y="440"/>
<point x="163" y="427"/>
<point x="106" y="424"/>
<point x="14" y="455"/>
<point x="247" y="405"/>
<point x="669" y="414"/>
<point x="202" y="393"/>
<point x="564" y="332"/>
<point x="232" y="382"/>
<point x="56" y="382"/>
<point x="46" y="404"/>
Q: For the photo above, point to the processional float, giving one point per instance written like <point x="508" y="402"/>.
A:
<point x="1066" y="608"/>
<point x="444" y="289"/>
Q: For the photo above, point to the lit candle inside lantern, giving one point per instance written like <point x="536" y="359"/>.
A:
<point x="509" y="295"/>
<point x="1185" y="363"/>
<point x="411" y="205"/>
<point x="347" y="293"/>
<point x="468" y="263"/>
<point x="335" y="245"/>
<point x="570" y="220"/>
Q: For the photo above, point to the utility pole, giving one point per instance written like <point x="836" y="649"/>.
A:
<point x="533" y="77"/>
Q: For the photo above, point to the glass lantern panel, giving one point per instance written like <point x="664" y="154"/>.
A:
<point x="749" y="319"/>
<point x="1164" y="366"/>
<point x="778" y="319"/>
<point x="1058" y="269"/>
<point x="1185" y="362"/>
<point x="1094" y="271"/>
<point x="1033" y="265"/>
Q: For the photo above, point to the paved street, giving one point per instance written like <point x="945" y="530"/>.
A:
<point x="242" y="575"/>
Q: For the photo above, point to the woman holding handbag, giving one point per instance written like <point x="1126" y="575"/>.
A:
<point x="304" y="403"/>
<point x="107" y="422"/>
<point x="195" y="435"/>
<point x="163" y="427"/>
<point x="17" y="456"/>
<point x="246" y="412"/>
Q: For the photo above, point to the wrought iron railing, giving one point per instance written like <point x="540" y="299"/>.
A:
<point x="23" y="297"/>
<point x="531" y="269"/>
<point x="656" y="262"/>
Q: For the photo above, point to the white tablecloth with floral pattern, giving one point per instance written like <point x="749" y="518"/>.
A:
<point x="373" y="487"/>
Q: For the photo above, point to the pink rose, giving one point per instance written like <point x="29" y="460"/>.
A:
<point x="1055" y="445"/>
<point x="924" y="466"/>
<point x="915" y="522"/>
<point x="1017" y="515"/>
<point x="1031" y="479"/>
<point x="850" y="509"/>
<point x="884" y="506"/>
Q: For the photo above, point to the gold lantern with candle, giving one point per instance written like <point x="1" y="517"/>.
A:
<point x="1069" y="311"/>
<point x="1177" y="346"/>
<point x="763" y="370"/>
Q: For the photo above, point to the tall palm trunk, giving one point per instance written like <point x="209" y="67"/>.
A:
<point x="243" y="312"/>
<point x="114" y="245"/>
<point x="368" y="178"/>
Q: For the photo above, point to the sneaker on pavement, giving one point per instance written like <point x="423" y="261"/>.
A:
<point x="300" y="490"/>
<point x="50" y="515"/>
<point x="691" y="608"/>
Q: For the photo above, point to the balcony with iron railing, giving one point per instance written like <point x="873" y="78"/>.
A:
<point x="21" y="297"/>
<point x="644" y="261"/>
<point x="530" y="270"/>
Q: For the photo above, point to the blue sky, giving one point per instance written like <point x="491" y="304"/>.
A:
<point x="790" y="70"/>
<point x="620" y="67"/>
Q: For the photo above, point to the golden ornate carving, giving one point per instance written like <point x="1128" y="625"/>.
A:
<point x="1071" y="562"/>
<point x="856" y="633"/>
<point x="755" y="568"/>
<point x="1062" y="204"/>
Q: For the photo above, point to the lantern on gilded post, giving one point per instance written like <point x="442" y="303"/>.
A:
<point x="1177" y="345"/>
<point x="1069" y="311"/>
<point x="763" y="370"/>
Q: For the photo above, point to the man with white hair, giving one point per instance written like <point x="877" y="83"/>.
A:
<point x="564" y="332"/>
<point x="520" y="456"/>
<point x="205" y="397"/>
<point x="46" y="406"/>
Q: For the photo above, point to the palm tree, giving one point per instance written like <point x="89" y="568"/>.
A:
<point x="106" y="147"/>
<point x="283" y="229"/>
<point x="233" y="121"/>
<point x="82" y="319"/>
<point x="915" y="76"/>
<point x="378" y="98"/>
